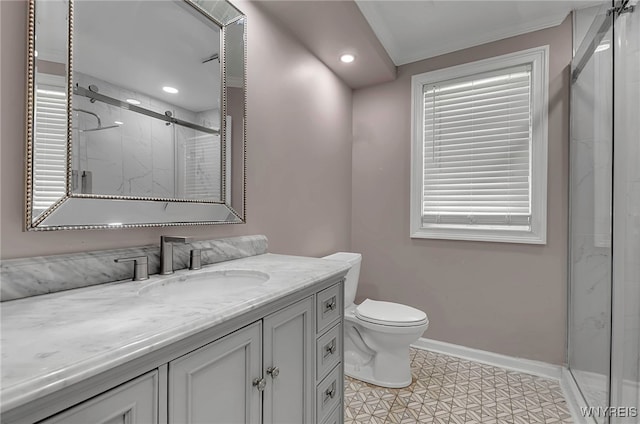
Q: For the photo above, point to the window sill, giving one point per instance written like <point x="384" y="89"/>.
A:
<point x="511" y="235"/>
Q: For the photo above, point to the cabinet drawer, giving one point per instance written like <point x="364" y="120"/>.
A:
<point x="335" y="417"/>
<point x="329" y="393"/>
<point x="328" y="351"/>
<point x="328" y="307"/>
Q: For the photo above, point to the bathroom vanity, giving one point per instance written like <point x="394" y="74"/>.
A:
<point x="251" y="340"/>
<point x="252" y="337"/>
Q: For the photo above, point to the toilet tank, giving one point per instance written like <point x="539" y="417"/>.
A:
<point x="351" y="279"/>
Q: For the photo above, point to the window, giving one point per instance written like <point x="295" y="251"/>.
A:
<point x="479" y="150"/>
<point x="50" y="147"/>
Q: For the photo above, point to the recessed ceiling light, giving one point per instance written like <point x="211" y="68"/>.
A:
<point x="170" y="90"/>
<point x="118" y="122"/>
<point x="347" y="58"/>
<point x="133" y="101"/>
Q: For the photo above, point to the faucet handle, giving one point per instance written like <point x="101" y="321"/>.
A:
<point x="140" y="266"/>
<point x="195" y="258"/>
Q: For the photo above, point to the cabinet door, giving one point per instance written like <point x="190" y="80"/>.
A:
<point x="135" y="402"/>
<point x="214" y="384"/>
<point x="289" y="352"/>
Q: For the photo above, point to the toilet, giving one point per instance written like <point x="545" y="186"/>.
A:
<point x="377" y="334"/>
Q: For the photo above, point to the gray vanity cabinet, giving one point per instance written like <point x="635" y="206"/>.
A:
<point x="213" y="384"/>
<point x="263" y="371"/>
<point x="289" y="336"/>
<point x="134" y="402"/>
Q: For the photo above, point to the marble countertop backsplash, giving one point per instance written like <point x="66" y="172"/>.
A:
<point x="55" y="340"/>
<point x="49" y="274"/>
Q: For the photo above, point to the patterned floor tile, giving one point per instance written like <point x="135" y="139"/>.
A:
<point x="449" y="390"/>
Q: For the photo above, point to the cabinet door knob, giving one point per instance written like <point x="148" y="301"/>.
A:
<point x="273" y="371"/>
<point x="259" y="383"/>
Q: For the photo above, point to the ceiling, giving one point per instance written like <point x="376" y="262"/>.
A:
<point x="143" y="46"/>
<point x="140" y="46"/>
<point x="330" y="28"/>
<point x="416" y="30"/>
<point x="384" y="34"/>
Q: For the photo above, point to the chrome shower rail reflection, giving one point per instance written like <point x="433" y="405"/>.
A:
<point x="81" y="91"/>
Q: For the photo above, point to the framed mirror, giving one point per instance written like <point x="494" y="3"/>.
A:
<point x="135" y="114"/>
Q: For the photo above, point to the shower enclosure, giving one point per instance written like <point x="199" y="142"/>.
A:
<point x="604" y="221"/>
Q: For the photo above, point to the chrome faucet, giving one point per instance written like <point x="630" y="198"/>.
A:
<point x="140" y="267"/>
<point x="166" y="252"/>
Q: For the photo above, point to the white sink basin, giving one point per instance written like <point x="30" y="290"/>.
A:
<point x="203" y="285"/>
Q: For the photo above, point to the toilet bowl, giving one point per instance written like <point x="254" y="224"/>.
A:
<point x="377" y="334"/>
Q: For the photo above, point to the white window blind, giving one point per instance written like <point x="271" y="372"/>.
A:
<point x="477" y="149"/>
<point x="202" y="167"/>
<point x="50" y="147"/>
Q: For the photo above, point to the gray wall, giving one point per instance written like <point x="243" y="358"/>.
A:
<point x="505" y="298"/>
<point x="299" y="150"/>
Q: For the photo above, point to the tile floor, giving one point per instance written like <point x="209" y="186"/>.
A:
<point x="450" y="390"/>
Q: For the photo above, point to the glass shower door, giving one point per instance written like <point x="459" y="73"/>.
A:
<point x="590" y="245"/>
<point x="604" y="283"/>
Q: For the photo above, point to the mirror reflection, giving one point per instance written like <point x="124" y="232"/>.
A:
<point x="156" y="112"/>
<point x="146" y="103"/>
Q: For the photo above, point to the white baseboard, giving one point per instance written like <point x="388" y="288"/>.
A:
<point x="527" y="366"/>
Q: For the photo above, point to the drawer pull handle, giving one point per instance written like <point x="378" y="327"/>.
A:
<point x="273" y="371"/>
<point x="330" y="393"/>
<point x="330" y="305"/>
<point x="259" y="383"/>
<point x="330" y="348"/>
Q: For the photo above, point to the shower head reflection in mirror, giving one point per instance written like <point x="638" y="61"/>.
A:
<point x="99" y="127"/>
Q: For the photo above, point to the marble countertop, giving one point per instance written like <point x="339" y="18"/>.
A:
<point x="52" y="341"/>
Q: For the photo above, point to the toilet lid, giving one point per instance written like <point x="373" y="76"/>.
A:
<point x="388" y="313"/>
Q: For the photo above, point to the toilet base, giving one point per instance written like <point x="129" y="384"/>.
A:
<point x="386" y="369"/>
<point x="365" y="373"/>
<point x="378" y="354"/>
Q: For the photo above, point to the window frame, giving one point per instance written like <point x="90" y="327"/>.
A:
<point x="537" y="233"/>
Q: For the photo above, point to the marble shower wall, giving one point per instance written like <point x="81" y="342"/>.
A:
<point x="142" y="156"/>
